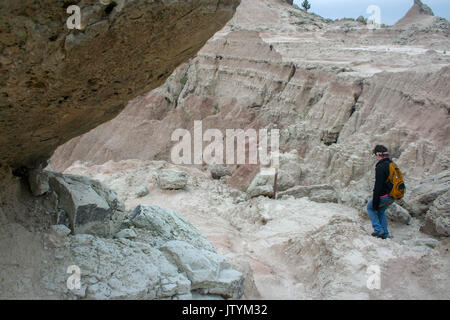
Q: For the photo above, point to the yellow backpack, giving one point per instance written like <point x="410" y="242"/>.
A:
<point x="396" y="180"/>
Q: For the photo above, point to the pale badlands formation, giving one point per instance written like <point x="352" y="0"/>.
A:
<point x="334" y="89"/>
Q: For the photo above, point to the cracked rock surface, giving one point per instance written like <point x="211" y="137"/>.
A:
<point x="56" y="83"/>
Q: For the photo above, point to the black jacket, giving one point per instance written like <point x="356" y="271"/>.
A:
<point x="381" y="188"/>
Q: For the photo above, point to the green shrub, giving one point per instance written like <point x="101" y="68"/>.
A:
<point x="306" y="5"/>
<point x="184" y="80"/>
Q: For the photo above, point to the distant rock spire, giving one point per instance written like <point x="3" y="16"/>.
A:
<point x="423" y="8"/>
<point x="418" y="12"/>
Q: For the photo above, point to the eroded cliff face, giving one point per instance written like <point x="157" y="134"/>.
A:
<point x="333" y="89"/>
<point x="58" y="83"/>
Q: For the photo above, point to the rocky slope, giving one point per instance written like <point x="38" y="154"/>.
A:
<point x="290" y="248"/>
<point x="71" y="237"/>
<point x="156" y="255"/>
<point x="334" y="89"/>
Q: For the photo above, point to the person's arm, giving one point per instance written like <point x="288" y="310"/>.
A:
<point x="379" y="182"/>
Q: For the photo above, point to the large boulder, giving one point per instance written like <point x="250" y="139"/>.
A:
<point x="397" y="213"/>
<point x="142" y="192"/>
<point x="57" y="83"/>
<point x="166" y="224"/>
<point x="317" y="193"/>
<point x="206" y="270"/>
<point x="218" y="171"/>
<point x="38" y="181"/>
<point x="86" y="206"/>
<point x="357" y="194"/>
<point x="421" y="198"/>
<point x="437" y="219"/>
<point x="288" y="176"/>
<point x="264" y="190"/>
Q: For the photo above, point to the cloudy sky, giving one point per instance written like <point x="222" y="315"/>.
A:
<point x="391" y="10"/>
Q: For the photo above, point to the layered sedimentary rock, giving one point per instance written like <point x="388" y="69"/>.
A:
<point x="319" y="193"/>
<point x="268" y="68"/>
<point x="331" y="105"/>
<point x="85" y="205"/>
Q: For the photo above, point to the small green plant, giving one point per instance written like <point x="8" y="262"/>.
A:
<point x="187" y="115"/>
<point x="306" y="5"/>
<point x="184" y="80"/>
<point x="216" y="109"/>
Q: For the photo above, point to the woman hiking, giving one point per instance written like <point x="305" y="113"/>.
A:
<point x="377" y="206"/>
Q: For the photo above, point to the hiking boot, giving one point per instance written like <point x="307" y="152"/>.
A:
<point x="378" y="235"/>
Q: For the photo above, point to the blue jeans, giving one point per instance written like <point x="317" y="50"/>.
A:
<point x="378" y="217"/>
